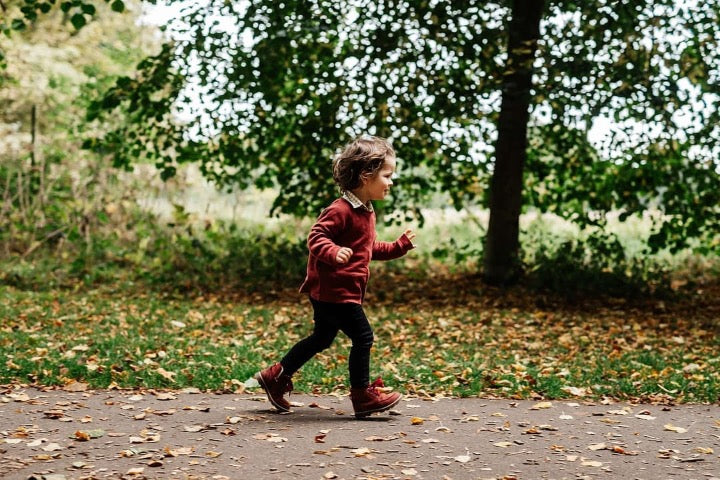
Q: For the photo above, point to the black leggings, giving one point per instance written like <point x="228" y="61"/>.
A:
<point x="329" y="319"/>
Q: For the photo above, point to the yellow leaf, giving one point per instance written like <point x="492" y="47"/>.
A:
<point x="673" y="428"/>
<point x="170" y="376"/>
<point x="541" y="406"/>
<point x="416" y="421"/>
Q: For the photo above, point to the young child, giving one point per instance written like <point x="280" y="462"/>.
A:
<point x="341" y="243"/>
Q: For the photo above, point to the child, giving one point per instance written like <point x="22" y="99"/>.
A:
<point x="342" y="242"/>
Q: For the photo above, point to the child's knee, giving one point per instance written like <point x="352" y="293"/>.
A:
<point x="365" y="340"/>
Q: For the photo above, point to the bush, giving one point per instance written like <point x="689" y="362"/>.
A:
<point x="596" y="263"/>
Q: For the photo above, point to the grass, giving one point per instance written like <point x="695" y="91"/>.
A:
<point x="480" y="342"/>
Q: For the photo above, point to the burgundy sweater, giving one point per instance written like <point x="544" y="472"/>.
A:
<point x="341" y="225"/>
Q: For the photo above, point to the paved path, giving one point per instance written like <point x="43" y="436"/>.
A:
<point x="181" y="435"/>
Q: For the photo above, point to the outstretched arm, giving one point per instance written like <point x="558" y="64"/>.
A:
<point x="396" y="249"/>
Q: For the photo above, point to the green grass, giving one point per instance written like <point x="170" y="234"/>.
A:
<point x="120" y="337"/>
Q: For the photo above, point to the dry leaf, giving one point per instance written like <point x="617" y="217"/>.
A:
<point x="166" y="396"/>
<point x="52" y="447"/>
<point x="170" y="376"/>
<point x="193" y="428"/>
<point x="575" y="391"/>
<point x="541" y="406"/>
<point x="174" y="452"/>
<point x="417" y="421"/>
<point x="591" y="463"/>
<point x="642" y="416"/>
<point x="704" y="450"/>
<point x="361" y="452"/>
<point x="673" y="428"/>
<point x="503" y="444"/>
<point x="76" y="387"/>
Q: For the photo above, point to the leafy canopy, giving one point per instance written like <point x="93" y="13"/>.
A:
<point x="263" y="92"/>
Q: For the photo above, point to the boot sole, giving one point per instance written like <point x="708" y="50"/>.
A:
<point x="367" y="413"/>
<point x="260" y="380"/>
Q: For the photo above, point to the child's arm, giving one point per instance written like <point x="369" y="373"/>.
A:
<point x="320" y="240"/>
<point x="396" y="249"/>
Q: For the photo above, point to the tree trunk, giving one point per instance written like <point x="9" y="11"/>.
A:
<point x="501" y="259"/>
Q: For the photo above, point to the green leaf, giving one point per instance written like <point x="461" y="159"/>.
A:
<point x="88" y="9"/>
<point x="78" y="21"/>
<point x="118" y="6"/>
<point x="18" y="24"/>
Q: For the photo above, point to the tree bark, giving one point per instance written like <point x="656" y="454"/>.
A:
<point x="501" y="257"/>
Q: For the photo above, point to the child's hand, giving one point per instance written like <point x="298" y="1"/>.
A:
<point x="343" y="255"/>
<point x="410" y="234"/>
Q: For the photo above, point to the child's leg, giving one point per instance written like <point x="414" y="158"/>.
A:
<point x="355" y="325"/>
<point x="324" y="333"/>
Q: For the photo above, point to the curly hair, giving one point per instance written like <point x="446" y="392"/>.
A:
<point x="361" y="158"/>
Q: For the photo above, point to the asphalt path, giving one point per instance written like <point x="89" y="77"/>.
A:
<point x="61" y="435"/>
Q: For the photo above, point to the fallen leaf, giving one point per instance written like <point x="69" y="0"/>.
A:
<point x="597" y="446"/>
<point x="673" y="428"/>
<point x="361" y="452"/>
<point x="642" y="416"/>
<point x="170" y="376"/>
<point x="463" y="458"/>
<point x="212" y="454"/>
<point x="52" y="447"/>
<point x="136" y="471"/>
<point x="503" y="444"/>
<point x="193" y="428"/>
<point x="76" y="387"/>
<point x="591" y="463"/>
<point x="541" y="406"/>
<point x="417" y="421"/>
<point x="174" y="452"/>
<point x="575" y="391"/>
<point x="704" y="450"/>
<point x="165" y="396"/>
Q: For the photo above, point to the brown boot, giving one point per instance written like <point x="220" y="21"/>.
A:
<point x="370" y="399"/>
<point x="276" y="384"/>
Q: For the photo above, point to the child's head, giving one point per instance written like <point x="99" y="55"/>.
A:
<point x="360" y="159"/>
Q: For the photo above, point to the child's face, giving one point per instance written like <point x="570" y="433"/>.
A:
<point x="378" y="186"/>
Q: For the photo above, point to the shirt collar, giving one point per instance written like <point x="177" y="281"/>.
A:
<point x="356" y="202"/>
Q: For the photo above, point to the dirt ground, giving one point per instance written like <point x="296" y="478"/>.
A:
<point x="57" y="434"/>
